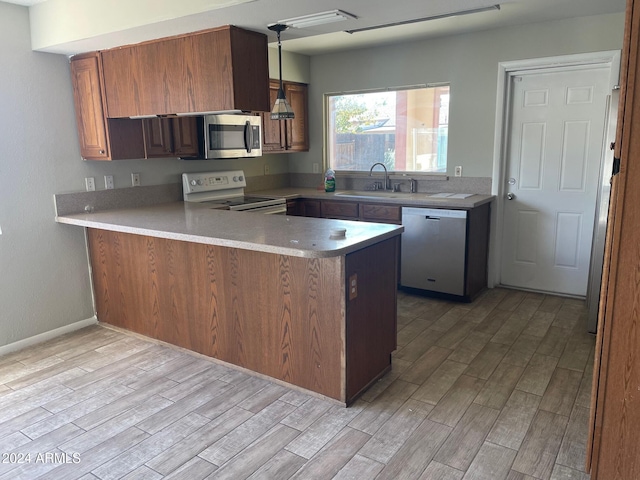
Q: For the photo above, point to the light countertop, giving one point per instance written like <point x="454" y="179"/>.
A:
<point x="199" y="223"/>
<point x="421" y="199"/>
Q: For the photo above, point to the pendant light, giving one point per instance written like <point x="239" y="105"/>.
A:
<point x="281" y="109"/>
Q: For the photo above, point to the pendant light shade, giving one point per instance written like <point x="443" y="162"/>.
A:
<point x="281" y="109"/>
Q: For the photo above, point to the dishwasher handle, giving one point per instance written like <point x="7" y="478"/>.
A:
<point x="429" y="217"/>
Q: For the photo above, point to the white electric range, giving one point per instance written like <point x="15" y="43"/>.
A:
<point x="225" y="190"/>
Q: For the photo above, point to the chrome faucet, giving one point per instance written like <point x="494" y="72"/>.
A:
<point x="386" y="177"/>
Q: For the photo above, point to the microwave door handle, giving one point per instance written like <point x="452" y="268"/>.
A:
<point x="248" y="136"/>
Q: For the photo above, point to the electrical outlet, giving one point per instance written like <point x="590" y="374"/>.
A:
<point x="135" y="179"/>
<point x="266" y="169"/>
<point x="108" y="182"/>
<point x="316" y="168"/>
<point x="90" y="183"/>
<point x="458" y="171"/>
<point x="353" y="286"/>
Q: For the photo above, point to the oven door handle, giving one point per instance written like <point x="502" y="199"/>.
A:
<point x="248" y="136"/>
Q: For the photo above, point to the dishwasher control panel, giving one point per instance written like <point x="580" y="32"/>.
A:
<point x="434" y="212"/>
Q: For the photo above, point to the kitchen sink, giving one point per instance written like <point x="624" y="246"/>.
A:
<point x="369" y="194"/>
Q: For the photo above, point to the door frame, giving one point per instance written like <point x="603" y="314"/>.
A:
<point x="507" y="70"/>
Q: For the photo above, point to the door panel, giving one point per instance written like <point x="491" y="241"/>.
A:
<point x="532" y="155"/>
<point x="574" y="156"/>
<point x="526" y="251"/>
<point x="568" y="232"/>
<point x="554" y="154"/>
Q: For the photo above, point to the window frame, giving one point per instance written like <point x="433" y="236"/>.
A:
<point x="359" y="173"/>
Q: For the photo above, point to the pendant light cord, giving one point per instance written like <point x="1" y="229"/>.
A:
<point x="280" y="60"/>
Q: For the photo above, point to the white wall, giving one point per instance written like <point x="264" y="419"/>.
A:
<point x="81" y="19"/>
<point x="43" y="267"/>
<point x="295" y="67"/>
<point x="44" y="279"/>
<point x="468" y="62"/>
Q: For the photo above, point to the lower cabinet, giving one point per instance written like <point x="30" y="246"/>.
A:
<point x="304" y="208"/>
<point x="314" y="333"/>
<point x="339" y="210"/>
<point x="476" y="248"/>
<point x="374" y="212"/>
<point x="366" y="212"/>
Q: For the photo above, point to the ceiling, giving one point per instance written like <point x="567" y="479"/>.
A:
<point x="257" y="14"/>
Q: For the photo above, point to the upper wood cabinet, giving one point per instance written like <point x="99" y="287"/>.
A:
<point x="100" y="138"/>
<point x="287" y="135"/>
<point x="170" y="137"/>
<point x="297" y="131"/>
<point x="273" y="131"/>
<point x="220" y="69"/>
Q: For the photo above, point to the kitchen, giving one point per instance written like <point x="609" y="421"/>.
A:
<point x="35" y="298"/>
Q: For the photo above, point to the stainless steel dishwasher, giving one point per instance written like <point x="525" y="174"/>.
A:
<point x="433" y="249"/>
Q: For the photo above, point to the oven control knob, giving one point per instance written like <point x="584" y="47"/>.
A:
<point x="240" y="178"/>
<point x="194" y="183"/>
<point x="199" y="182"/>
<point x="235" y="179"/>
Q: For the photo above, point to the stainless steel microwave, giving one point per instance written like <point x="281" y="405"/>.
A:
<point x="231" y="136"/>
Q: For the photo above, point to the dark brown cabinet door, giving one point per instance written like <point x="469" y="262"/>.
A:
<point x="273" y="131"/>
<point x="90" y="119"/>
<point x="157" y="137"/>
<point x="374" y="212"/>
<point x="344" y="210"/>
<point x="185" y="136"/>
<point x="309" y="208"/>
<point x="297" y="132"/>
<point x="287" y="135"/>
<point x="170" y="137"/>
<point x="294" y="207"/>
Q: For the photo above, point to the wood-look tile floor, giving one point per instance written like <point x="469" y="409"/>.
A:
<point x="496" y="389"/>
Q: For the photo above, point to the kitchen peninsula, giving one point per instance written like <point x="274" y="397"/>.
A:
<point x="274" y="294"/>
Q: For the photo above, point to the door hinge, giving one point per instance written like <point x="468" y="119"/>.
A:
<point x="616" y="166"/>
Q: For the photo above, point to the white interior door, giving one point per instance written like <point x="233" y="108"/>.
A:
<point x="554" y="154"/>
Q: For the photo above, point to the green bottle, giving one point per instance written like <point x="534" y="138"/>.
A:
<point x="330" y="181"/>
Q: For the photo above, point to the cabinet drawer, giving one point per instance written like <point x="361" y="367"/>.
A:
<point x="339" y="210"/>
<point x="383" y="213"/>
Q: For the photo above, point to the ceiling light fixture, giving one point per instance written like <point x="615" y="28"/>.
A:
<point x="281" y="109"/>
<point x="317" y="19"/>
<point x="424" y="19"/>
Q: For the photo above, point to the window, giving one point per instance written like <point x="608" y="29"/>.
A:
<point x="406" y="129"/>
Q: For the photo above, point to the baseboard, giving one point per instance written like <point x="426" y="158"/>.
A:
<point x="43" y="337"/>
